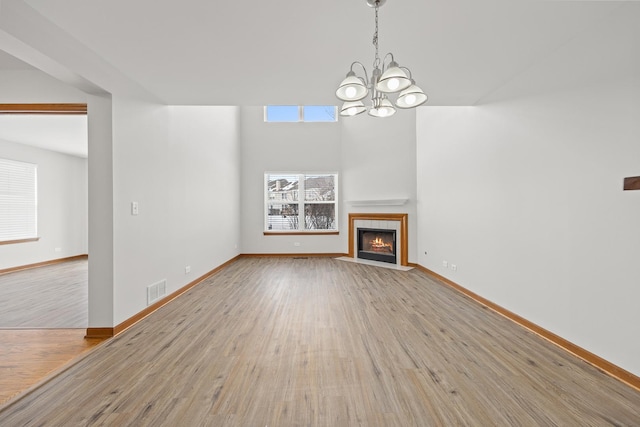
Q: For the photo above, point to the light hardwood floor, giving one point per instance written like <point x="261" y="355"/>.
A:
<point x="32" y="303"/>
<point x="28" y="356"/>
<point x="287" y="342"/>
<point x="52" y="296"/>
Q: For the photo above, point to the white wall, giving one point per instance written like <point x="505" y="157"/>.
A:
<point x="34" y="86"/>
<point x="62" y="206"/>
<point x="375" y="159"/>
<point x="284" y="147"/>
<point x="62" y="179"/>
<point x="524" y="193"/>
<point x="182" y="165"/>
<point x="525" y="197"/>
<point x="378" y="164"/>
<point x="101" y="229"/>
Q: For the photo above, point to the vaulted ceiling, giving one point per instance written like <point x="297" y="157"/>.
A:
<point x="461" y="52"/>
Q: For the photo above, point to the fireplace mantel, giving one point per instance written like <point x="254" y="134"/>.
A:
<point x="378" y="202"/>
<point x="404" y="231"/>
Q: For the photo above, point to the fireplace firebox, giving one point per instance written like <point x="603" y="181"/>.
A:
<point x="377" y="245"/>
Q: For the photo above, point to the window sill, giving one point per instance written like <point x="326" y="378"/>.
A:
<point x="11" y="242"/>
<point x="301" y="233"/>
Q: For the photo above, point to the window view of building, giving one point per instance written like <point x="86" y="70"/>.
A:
<point x="301" y="202"/>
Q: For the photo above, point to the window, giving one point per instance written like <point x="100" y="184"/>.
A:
<point x="18" y="200"/>
<point x="300" y="113"/>
<point x="282" y="113"/>
<point x="301" y="202"/>
<point x="319" y="113"/>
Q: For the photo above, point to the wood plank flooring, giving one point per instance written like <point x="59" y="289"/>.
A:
<point x="52" y="296"/>
<point x="29" y="356"/>
<point x="321" y="342"/>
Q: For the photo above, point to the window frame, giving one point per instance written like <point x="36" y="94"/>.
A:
<point x="301" y="203"/>
<point x="31" y="199"/>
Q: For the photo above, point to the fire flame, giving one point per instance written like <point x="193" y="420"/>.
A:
<point x="378" y="245"/>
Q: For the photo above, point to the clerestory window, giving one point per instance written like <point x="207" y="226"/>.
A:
<point x="300" y="113"/>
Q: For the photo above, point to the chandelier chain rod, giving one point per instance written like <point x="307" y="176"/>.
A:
<point x="376" y="61"/>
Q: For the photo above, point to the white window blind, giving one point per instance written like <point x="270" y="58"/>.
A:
<point x="18" y="200"/>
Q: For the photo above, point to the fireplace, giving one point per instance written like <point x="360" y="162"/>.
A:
<point x="377" y="245"/>
<point x="385" y="221"/>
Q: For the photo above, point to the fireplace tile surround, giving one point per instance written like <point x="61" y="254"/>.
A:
<point x="384" y="221"/>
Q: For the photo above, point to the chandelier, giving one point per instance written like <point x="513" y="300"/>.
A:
<point x="390" y="79"/>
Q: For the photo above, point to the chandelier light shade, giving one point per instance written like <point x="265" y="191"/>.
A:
<point x="382" y="107"/>
<point x="389" y="79"/>
<point x="352" y="108"/>
<point x="352" y="88"/>
<point x="393" y="80"/>
<point x="411" y="97"/>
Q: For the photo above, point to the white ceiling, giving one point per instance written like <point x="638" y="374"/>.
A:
<point x="297" y="51"/>
<point x="8" y="62"/>
<point x="63" y="133"/>
<point x="461" y="52"/>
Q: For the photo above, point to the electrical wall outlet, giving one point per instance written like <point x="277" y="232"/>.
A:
<point x="187" y="269"/>
<point x="296" y="244"/>
<point x="445" y="264"/>
<point x="134" y="208"/>
<point x="454" y="267"/>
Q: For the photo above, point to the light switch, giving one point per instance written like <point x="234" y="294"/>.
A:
<point x="134" y="208"/>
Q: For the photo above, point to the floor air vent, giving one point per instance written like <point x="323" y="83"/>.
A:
<point x="156" y="291"/>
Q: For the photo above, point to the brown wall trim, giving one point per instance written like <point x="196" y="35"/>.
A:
<point x="43" y="108"/>
<point x="99" y="333"/>
<point x="632" y="183"/>
<point x="404" y="231"/>
<point x="600" y="363"/>
<point x="11" y="242"/>
<point x="43" y="263"/>
<point x="110" y="332"/>
<point x="295" y="255"/>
